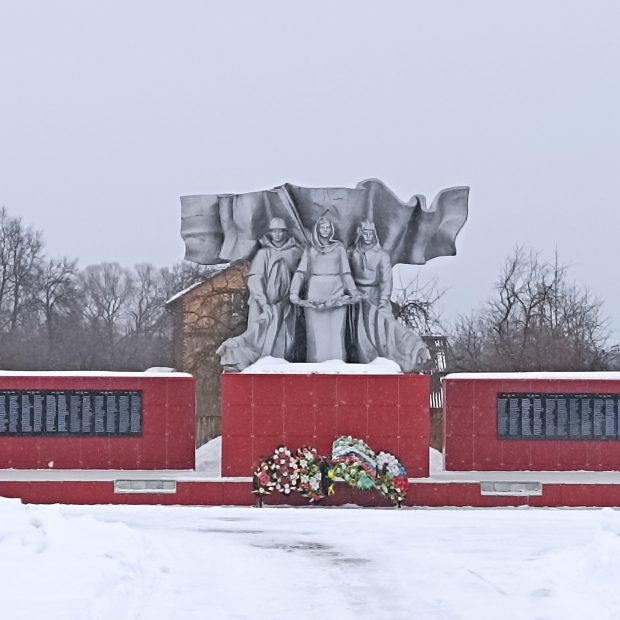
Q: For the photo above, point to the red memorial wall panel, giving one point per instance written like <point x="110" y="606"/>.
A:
<point x="553" y="422"/>
<point x="261" y="412"/>
<point x="97" y="421"/>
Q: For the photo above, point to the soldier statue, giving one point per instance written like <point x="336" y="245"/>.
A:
<point x="271" y="317"/>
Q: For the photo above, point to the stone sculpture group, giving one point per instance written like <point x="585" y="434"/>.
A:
<point x="320" y="281"/>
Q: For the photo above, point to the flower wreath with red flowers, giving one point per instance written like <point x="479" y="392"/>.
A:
<point x="279" y="472"/>
<point x="352" y="462"/>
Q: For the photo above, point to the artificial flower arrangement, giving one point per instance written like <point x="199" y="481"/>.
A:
<point x="312" y="474"/>
<point x="392" y="478"/>
<point x="279" y="472"/>
<point x="352" y="461"/>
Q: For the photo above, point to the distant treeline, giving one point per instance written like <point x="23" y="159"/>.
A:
<point x="54" y="315"/>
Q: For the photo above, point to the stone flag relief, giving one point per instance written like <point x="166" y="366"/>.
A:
<point x="226" y="227"/>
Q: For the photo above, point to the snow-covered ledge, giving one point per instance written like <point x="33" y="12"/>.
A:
<point x="278" y="366"/>
<point x="607" y="375"/>
<point x="165" y="373"/>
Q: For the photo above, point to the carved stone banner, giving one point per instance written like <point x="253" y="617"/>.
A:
<point x="226" y="227"/>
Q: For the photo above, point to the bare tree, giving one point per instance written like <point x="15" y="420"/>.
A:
<point x="147" y="299"/>
<point x="20" y="254"/>
<point x="536" y="320"/>
<point x="150" y="325"/>
<point x="415" y="304"/>
<point x="106" y="291"/>
<point x="56" y="290"/>
<point x="59" y="316"/>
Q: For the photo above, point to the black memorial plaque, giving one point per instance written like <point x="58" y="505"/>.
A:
<point x="70" y="413"/>
<point x="554" y="416"/>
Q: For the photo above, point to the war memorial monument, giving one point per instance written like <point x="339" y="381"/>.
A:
<point x="321" y="389"/>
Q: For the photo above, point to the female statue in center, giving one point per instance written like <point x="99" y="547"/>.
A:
<point x="325" y="274"/>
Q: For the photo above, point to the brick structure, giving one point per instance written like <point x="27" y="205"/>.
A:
<point x="205" y="315"/>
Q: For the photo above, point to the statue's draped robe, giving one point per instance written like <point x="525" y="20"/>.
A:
<point x="325" y="274"/>
<point x="375" y="331"/>
<point x="269" y="282"/>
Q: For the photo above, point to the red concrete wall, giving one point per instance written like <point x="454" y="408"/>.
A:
<point x="471" y="437"/>
<point x="260" y="412"/>
<point x="221" y="493"/>
<point x="168" y="427"/>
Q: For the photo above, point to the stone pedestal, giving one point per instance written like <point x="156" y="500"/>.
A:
<point x="261" y="412"/>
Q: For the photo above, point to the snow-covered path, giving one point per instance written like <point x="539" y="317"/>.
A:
<point x="152" y="563"/>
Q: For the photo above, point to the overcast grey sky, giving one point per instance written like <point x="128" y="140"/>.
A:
<point x="111" y="110"/>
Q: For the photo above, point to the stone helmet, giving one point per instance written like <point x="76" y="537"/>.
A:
<point x="366" y="225"/>
<point x="277" y="223"/>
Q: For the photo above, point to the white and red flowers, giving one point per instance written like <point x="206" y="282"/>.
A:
<point x="313" y="476"/>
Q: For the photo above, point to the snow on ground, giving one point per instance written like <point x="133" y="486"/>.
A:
<point x="278" y="366"/>
<point x="209" y="458"/>
<point x="436" y="461"/>
<point x="157" y="563"/>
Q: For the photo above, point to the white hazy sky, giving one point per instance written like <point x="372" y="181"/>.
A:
<point x="111" y="110"/>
